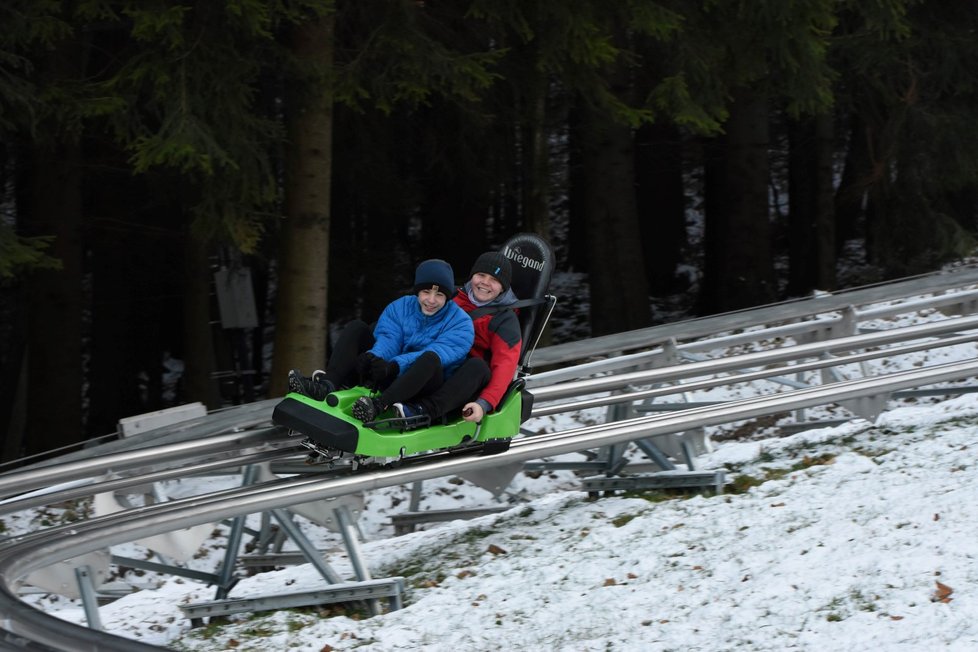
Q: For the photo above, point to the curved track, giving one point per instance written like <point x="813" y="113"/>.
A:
<point x="229" y="440"/>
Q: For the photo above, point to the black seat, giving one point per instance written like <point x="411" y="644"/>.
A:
<point x="533" y="264"/>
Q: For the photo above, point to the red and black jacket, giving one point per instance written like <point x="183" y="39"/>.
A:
<point x="499" y="342"/>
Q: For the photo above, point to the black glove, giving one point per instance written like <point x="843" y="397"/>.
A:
<point x="382" y="373"/>
<point x="364" y="366"/>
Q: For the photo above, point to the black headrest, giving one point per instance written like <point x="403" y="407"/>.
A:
<point x="533" y="264"/>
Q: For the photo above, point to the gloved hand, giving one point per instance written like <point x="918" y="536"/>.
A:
<point x="364" y="366"/>
<point x="382" y="373"/>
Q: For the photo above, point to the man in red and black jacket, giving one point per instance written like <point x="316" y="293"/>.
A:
<point x="479" y="384"/>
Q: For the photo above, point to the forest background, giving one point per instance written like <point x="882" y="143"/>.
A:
<point x="324" y="147"/>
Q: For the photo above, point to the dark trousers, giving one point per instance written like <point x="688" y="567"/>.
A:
<point x="462" y="387"/>
<point x="341" y="369"/>
<point x="423" y="377"/>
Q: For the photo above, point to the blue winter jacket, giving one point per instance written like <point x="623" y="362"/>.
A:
<point x="403" y="333"/>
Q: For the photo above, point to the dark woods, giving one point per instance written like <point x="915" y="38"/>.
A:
<point x="683" y="157"/>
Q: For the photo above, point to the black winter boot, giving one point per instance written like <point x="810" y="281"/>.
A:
<point x="366" y="408"/>
<point x="316" y="387"/>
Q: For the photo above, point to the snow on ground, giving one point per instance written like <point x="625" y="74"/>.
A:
<point x="855" y="537"/>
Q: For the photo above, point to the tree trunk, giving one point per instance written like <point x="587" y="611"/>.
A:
<point x="457" y="199"/>
<point x="661" y="204"/>
<point x="811" y="222"/>
<point x="878" y="191"/>
<point x="851" y="194"/>
<point x="619" y="292"/>
<point x="116" y="390"/>
<point x="13" y="372"/>
<point x="301" y="330"/>
<point x="577" y="239"/>
<point x="739" y="270"/>
<point x="468" y="162"/>
<point x="199" y="355"/>
<point x="536" y="151"/>
<point x="54" y="377"/>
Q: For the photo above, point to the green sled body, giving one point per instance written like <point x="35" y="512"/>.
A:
<point x="330" y="425"/>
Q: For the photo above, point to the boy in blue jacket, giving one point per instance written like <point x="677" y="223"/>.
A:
<point x="418" y="342"/>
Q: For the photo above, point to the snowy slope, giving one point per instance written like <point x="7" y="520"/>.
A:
<point x="856" y="537"/>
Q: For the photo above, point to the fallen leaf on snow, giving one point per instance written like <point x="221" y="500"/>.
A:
<point x="942" y="593"/>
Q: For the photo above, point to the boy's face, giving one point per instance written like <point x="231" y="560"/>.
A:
<point x="485" y="287"/>
<point x="431" y="300"/>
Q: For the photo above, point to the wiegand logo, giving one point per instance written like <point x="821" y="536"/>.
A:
<point x="515" y="255"/>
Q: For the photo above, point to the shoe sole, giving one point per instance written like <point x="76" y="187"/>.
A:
<point x="295" y="385"/>
<point x="363" y="411"/>
<point x="299" y="385"/>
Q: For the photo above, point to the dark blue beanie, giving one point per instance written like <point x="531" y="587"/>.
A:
<point x="435" y="273"/>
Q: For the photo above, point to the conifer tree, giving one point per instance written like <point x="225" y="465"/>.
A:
<point x="907" y="77"/>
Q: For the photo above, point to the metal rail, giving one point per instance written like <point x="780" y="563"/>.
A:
<point x="70" y="491"/>
<point x="219" y="422"/>
<point x="184" y="452"/>
<point x="937" y="283"/>
<point x="742" y="376"/>
<point x="715" y="367"/>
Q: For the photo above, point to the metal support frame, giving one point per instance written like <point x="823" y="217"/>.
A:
<point x="391" y="588"/>
<point x="312" y="555"/>
<point x="86" y="587"/>
<point x="366" y="588"/>
<point x="653" y="452"/>
<point x="405" y="522"/>
<point x="270" y="560"/>
<point x="226" y="579"/>
<point x="166" y="569"/>
<point x="351" y="537"/>
<point x="611" y="459"/>
<point x="662" y="480"/>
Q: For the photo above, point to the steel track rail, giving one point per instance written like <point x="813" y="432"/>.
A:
<point x="714" y="367"/>
<point x="937" y="282"/>
<point x="743" y="376"/>
<point x="135" y="480"/>
<point x="224" y="421"/>
<point x="215" y="447"/>
<point x="819" y="327"/>
<point x="23" y="554"/>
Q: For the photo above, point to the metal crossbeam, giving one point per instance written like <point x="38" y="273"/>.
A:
<point x="274" y="559"/>
<point x="663" y="480"/>
<point x="391" y="588"/>
<point x="406" y="522"/>
<point x="166" y="569"/>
